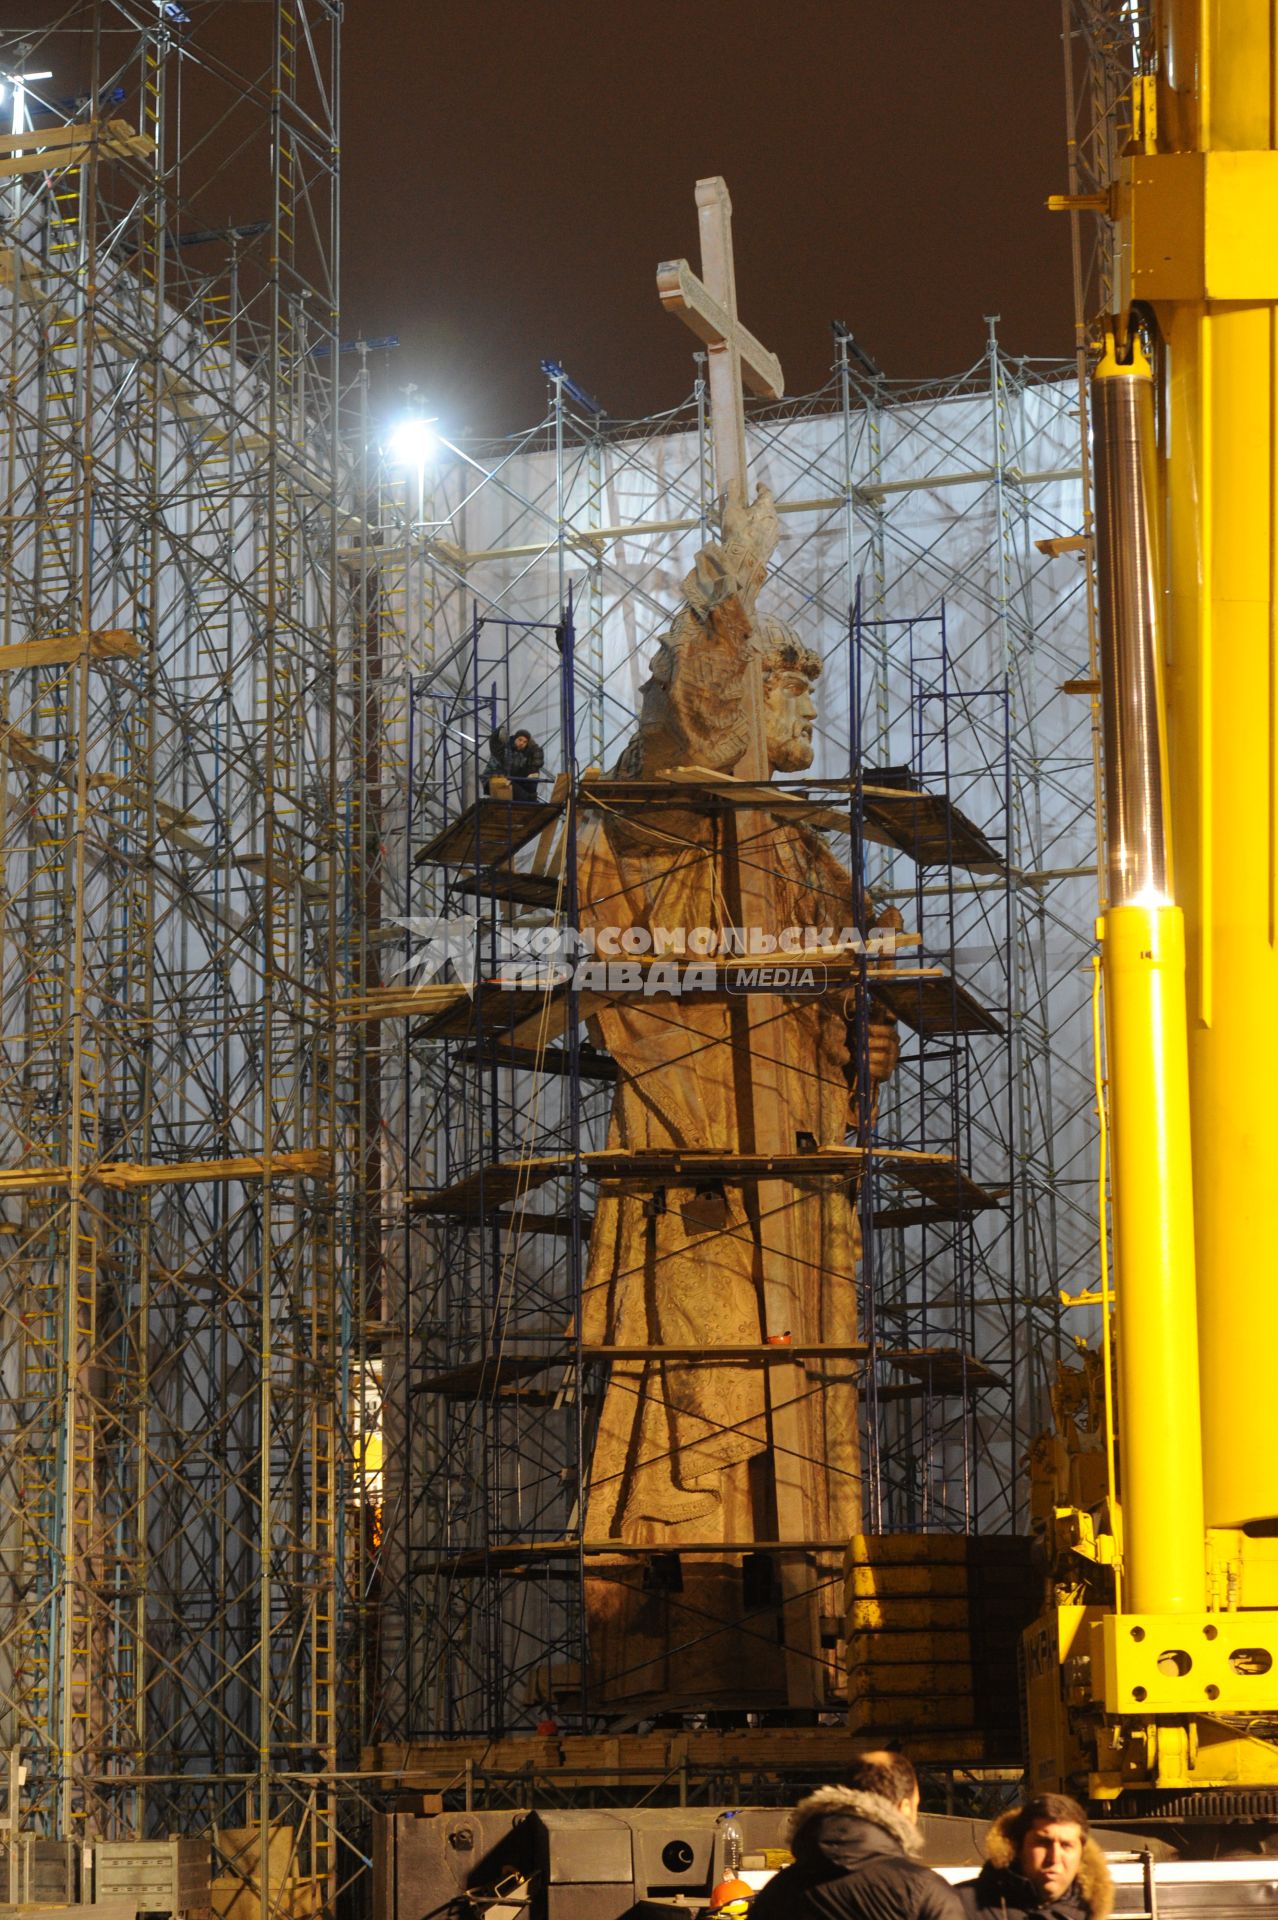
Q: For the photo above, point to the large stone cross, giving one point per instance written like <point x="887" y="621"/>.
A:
<point x="709" y="306"/>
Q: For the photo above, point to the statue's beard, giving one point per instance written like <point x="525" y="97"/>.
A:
<point x="792" y="754"/>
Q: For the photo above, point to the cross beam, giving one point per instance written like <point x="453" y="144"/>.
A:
<point x="709" y="306"/>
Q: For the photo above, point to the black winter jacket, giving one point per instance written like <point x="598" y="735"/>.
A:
<point x="1004" y="1894"/>
<point x="867" y="1876"/>
<point x="518" y="763"/>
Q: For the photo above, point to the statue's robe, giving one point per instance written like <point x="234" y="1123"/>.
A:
<point x="682" y="1449"/>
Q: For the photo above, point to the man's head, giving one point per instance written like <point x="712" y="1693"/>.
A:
<point x="789" y="669"/>
<point x="522" y="739"/>
<point x="891" y="1776"/>
<point x="836" y="1825"/>
<point x="1048" y="1835"/>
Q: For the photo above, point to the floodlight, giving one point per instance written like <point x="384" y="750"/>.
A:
<point x="413" y="442"/>
<point x="18" y="83"/>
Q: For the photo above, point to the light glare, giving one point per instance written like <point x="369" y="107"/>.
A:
<point x="413" y="442"/>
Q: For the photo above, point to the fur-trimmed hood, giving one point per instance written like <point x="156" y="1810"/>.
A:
<point x="870" y="1807"/>
<point x="1093" y="1883"/>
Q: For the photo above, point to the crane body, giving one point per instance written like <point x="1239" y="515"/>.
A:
<point x="1154" y="1671"/>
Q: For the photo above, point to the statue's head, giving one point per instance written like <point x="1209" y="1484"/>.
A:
<point x="789" y="672"/>
<point x="690" y="718"/>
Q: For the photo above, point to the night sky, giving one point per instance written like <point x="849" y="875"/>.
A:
<point x="513" y="172"/>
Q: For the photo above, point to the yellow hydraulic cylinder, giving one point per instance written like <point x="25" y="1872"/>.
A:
<point x="1204" y="255"/>
<point x="1159" y="1446"/>
<point x="1160" y="1455"/>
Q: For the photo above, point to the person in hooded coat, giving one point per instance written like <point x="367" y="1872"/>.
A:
<point x="519" y="758"/>
<point x="854" y="1856"/>
<point x="1041" y="1864"/>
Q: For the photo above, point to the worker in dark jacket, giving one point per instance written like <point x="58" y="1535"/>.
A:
<point x="1040" y="1860"/>
<point x="853" y="1856"/>
<point x="518" y="757"/>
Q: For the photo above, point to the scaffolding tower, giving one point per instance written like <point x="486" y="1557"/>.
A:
<point x="943" y="1322"/>
<point x="181" y="1250"/>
